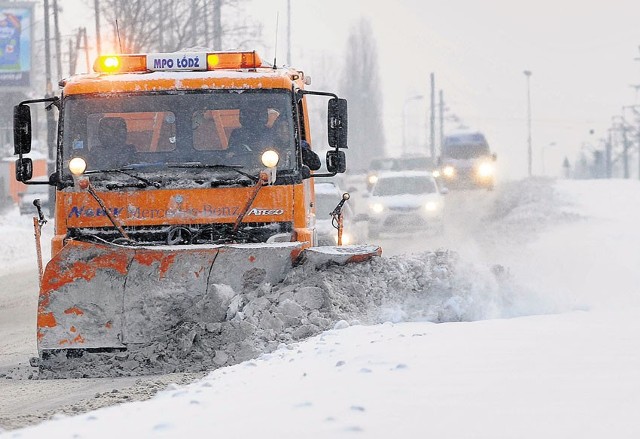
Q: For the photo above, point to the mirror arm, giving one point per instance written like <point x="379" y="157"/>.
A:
<point x="54" y="100"/>
<point x="301" y="92"/>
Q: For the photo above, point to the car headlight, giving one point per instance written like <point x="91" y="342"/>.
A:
<point x="377" y="207"/>
<point x="436" y="173"/>
<point x="485" y="169"/>
<point x="372" y="179"/>
<point x="431" y="206"/>
<point x="449" y="171"/>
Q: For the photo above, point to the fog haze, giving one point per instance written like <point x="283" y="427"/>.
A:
<point x="582" y="57"/>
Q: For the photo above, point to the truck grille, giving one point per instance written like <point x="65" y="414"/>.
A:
<point x="184" y="234"/>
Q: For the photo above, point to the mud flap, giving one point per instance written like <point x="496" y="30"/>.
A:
<point x="97" y="296"/>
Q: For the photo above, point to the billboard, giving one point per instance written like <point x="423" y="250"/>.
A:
<point x="16" y="42"/>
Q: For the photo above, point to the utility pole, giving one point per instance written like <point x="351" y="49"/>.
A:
<point x="72" y="57"/>
<point x="527" y="73"/>
<point x="51" y="149"/>
<point x="217" y="25"/>
<point x="432" y="119"/>
<point x="96" y="13"/>
<point x="86" y="49"/>
<point x="57" y="31"/>
<point x="161" y="28"/>
<point x="288" y="32"/>
<point x="625" y="150"/>
<point x="194" y="24"/>
<point x="441" y="114"/>
<point x="608" y="149"/>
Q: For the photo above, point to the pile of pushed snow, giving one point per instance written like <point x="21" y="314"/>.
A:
<point x="225" y="326"/>
<point x="526" y="207"/>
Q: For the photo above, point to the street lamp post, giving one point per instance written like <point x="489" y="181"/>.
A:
<point x="542" y="157"/>
<point x="527" y="73"/>
<point x="404" y="119"/>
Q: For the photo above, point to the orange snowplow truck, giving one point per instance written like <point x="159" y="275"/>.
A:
<point x="174" y="172"/>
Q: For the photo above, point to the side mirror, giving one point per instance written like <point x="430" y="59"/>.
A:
<point x="24" y="169"/>
<point x="337" y="120"/>
<point x="444" y="191"/>
<point x="305" y="171"/>
<point x="336" y="162"/>
<point x="21" y="129"/>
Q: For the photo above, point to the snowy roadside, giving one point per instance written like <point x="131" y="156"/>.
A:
<point x="17" y="241"/>
<point x="526" y="267"/>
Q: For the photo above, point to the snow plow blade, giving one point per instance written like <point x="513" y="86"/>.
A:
<point x="99" y="296"/>
<point x="96" y="296"/>
<point x="327" y="255"/>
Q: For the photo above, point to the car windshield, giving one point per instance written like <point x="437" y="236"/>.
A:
<point x="466" y="151"/>
<point x="404" y="185"/>
<point x="465" y="146"/>
<point x="115" y="131"/>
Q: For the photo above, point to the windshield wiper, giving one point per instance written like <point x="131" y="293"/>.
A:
<point x="143" y="182"/>
<point x="198" y="165"/>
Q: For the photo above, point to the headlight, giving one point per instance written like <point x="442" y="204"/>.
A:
<point x="449" y="171"/>
<point x="377" y="207"/>
<point x="485" y="169"/>
<point x="372" y="179"/>
<point x="270" y="158"/>
<point x="77" y="166"/>
<point x="431" y="206"/>
<point x="436" y="173"/>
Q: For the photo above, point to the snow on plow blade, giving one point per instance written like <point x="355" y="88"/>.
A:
<point x="107" y="296"/>
<point x="325" y="255"/>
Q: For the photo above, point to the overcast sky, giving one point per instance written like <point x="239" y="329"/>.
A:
<point x="581" y="55"/>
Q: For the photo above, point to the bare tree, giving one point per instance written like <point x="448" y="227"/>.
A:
<point x="360" y="84"/>
<point x="170" y="25"/>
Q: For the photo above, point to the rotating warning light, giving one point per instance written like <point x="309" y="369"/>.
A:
<point x="176" y="61"/>
<point x="120" y="63"/>
<point x="233" y="60"/>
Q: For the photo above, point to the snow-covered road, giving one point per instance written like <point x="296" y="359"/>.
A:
<point x="570" y="248"/>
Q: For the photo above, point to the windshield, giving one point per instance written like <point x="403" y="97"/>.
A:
<point x="466" y="151"/>
<point x="404" y="185"/>
<point x="465" y="146"/>
<point x="229" y="127"/>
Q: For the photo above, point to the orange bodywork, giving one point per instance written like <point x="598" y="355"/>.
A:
<point x="184" y="206"/>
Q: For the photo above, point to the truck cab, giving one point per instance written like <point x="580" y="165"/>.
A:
<point x="172" y="145"/>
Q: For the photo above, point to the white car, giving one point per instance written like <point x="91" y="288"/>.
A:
<point x="405" y="202"/>
<point x="328" y="195"/>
